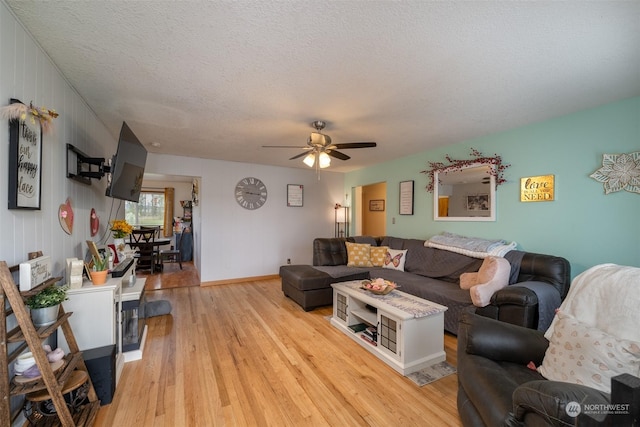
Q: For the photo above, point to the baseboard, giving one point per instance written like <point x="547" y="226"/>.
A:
<point x="239" y="280"/>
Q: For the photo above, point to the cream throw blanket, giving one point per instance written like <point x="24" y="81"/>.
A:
<point x="607" y="297"/>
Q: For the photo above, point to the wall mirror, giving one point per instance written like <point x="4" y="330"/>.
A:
<point x="465" y="194"/>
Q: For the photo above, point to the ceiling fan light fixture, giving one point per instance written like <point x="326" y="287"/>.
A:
<point x="324" y="161"/>
<point x="310" y="159"/>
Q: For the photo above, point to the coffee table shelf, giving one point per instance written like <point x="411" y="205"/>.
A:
<point x="410" y="330"/>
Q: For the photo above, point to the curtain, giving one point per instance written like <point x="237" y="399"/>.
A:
<point x="168" y="211"/>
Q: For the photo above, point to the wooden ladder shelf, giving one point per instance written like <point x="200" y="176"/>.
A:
<point x="53" y="382"/>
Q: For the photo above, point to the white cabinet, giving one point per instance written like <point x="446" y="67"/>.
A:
<point x="404" y="331"/>
<point x="97" y="316"/>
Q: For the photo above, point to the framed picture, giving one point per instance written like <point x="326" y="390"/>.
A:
<point x="478" y="202"/>
<point x="25" y="163"/>
<point x="295" y="195"/>
<point x="376" y="205"/>
<point x="406" y="198"/>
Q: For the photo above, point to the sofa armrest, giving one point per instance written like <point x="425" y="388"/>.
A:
<point x="515" y="305"/>
<point x="500" y="341"/>
<point x="625" y="398"/>
<point x="558" y="403"/>
<point x="515" y="295"/>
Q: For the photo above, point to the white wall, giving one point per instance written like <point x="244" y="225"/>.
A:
<point x="26" y="73"/>
<point x="237" y="243"/>
<point x="234" y="242"/>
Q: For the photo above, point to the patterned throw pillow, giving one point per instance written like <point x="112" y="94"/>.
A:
<point x="358" y="254"/>
<point x="585" y="355"/>
<point x="394" y="259"/>
<point x="378" y="254"/>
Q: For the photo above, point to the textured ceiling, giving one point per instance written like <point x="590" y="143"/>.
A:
<point x="218" y="79"/>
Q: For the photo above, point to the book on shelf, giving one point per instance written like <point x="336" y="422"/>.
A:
<point x="369" y="340"/>
<point x="359" y="327"/>
<point x="371" y="333"/>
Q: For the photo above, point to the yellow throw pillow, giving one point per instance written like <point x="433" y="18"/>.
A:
<point x="377" y="255"/>
<point x="358" y="254"/>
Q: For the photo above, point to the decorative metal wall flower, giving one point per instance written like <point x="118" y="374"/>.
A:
<point x="619" y="172"/>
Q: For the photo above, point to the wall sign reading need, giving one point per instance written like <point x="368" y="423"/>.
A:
<point x="537" y="188"/>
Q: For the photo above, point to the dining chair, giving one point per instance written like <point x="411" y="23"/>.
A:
<point x="144" y="240"/>
<point x="174" y="254"/>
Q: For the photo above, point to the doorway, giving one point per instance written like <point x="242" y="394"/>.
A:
<point x="371" y="209"/>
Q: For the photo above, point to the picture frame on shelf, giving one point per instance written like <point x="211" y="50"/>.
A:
<point x="25" y="163"/>
<point x="295" y="195"/>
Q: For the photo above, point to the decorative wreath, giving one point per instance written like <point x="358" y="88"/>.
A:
<point x="18" y="110"/>
<point x="457" y="165"/>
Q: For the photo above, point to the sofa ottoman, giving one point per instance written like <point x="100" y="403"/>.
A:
<point x="310" y="287"/>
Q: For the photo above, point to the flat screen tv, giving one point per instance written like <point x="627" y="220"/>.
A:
<point x="127" y="167"/>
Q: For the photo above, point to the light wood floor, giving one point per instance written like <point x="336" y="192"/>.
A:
<point x="245" y="355"/>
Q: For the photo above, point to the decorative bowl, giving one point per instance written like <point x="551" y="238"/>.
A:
<point x="378" y="286"/>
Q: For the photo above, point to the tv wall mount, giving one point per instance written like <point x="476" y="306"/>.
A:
<point x="83" y="168"/>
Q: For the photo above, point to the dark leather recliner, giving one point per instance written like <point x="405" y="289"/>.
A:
<point x="496" y="388"/>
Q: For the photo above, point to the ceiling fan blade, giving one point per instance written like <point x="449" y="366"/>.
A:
<point x="337" y="155"/>
<point x="304" y="153"/>
<point x="284" y="146"/>
<point x="355" y="145"/>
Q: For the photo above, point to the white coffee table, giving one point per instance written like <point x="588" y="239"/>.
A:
<point x="410" y="330"/>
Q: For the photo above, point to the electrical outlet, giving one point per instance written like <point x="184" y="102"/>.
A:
<point x="288" y="260"/>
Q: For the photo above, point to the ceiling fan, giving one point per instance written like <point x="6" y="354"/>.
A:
<point x="319" y="148"/>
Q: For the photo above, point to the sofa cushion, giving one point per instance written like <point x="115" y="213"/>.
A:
<point x="377" y="255"/>
<point x="401" y="243"/>
<point x="439" y="264"/>
<point x="585" y="355"/>
<point x="395" y="259"/>
<point x="438" y="291"/>
<point x="358" y="254"/>
<point x="365" y="239"/>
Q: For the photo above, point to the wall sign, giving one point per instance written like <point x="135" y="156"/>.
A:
<point x="34" y="272"/>
<point x="537" y="188"/>
<point x="295" y="195"/>
<point x="25" y="163"/>
<point x="406" y="198"/>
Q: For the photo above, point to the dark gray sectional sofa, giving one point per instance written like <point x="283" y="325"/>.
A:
<point x="537" y="286"/>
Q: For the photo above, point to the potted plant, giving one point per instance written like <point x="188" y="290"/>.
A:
<point x="100" y="269"/>
<point x="44" y="305"/>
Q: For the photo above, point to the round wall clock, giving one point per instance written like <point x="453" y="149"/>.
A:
<point x="251" y="193"/>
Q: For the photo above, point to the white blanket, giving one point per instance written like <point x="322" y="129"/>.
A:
<point x="497" y="248"/>
<point x="607" y="297"/>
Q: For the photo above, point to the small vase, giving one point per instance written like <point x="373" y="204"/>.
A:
<point x="99" y="277"/>
<point x="44" y="316"/>
<point x="119" y="244"/>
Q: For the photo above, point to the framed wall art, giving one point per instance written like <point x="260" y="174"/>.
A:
<point x="376" y="205"/>
<point x="25" y="163"/>
<point x="295" y="195"/>
<point x="406" y="198"/>
<point x="478" y="202"/>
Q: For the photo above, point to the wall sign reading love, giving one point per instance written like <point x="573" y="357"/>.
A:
<point x="25" y="161"/>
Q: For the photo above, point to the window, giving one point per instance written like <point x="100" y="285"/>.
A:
<point x="149" y="211"/>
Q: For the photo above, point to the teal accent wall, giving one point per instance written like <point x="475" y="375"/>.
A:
<point x="583" y="224"/>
